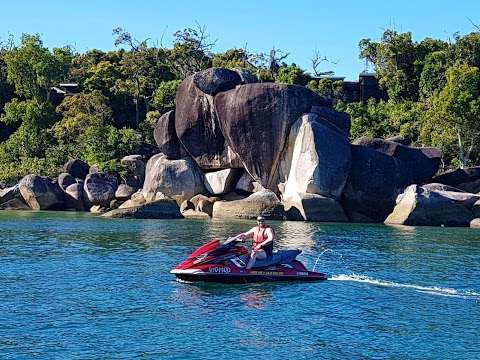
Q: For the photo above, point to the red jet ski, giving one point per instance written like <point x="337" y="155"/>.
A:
<point x="225" y="263"/>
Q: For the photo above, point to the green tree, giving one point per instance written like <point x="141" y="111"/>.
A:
<point x="454" y="116"/>
<point x="33" y="69"/>
<point x="292" y="74"/>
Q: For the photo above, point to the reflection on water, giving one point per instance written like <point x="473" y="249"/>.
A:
<point x="257" y="298"/>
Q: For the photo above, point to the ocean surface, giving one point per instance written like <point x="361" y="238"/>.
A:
<point x="76" y="286"/>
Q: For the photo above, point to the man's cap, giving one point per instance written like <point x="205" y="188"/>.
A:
<point x="260" y="218"/>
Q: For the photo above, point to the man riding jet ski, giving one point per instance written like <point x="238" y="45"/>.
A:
<point x="233" y="263"/>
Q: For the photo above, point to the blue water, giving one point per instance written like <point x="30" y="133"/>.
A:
<point x="79" y="287"/>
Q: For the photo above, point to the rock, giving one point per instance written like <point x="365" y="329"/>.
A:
<point x="65" y="180"/>
<point x="10" y="193"/>
<point x="255" y="120"/>
<point x="186" y="205"/>
<point x="136" y="170"/>
<point x="459" y="176"/>
<point x="77" y="168"/>
<point x="201" y="203"/>
<point x="74" y="198"/>
<point x="198" y="130"/>
<point x="14" y="204"/>
<point x="160" y="209"/>
<point x="193" y="214"/>
<point x="471" y="187"/>
<point x="100" y="188"/>
<point x="197" y="198"/>
<point x="375" y="181"/>
<point x="124" y="192"/>
<point x="135" y="200"/>
<point x="214" y="80"/>
<point x="94" y="169"/>
<point x="264" y="203"/>
<point x="221" y="182"/>
<point x="440" y="187"/>
<point x="246" y="76"/>
<point x="115" y="204"/>
<point x="400" y="139"/>
<point x="313" y="207"/>
<point x="166" y="137"/>
<point x="233" y="196"/>
<point x="206" y="206"/>
<point x="179" y="179"/>
<point x="422" y="163"/>
<point x="338" y="121"/>
<point x="41" y="193"/>
<point x="247" y="184"/>
<point x="98" y="209"/>
<point x="420" y="206"/>
<point x="475" y="223"/>
<point x="476" y="208"/>
<point x="316" y="160"/>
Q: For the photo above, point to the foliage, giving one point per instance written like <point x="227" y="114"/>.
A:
<point x="292" y="74"/>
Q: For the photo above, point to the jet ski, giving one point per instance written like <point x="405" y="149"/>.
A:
<point x="226" y="263"/>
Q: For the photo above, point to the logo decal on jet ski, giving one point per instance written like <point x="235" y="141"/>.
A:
<point x="219" y="269"/>
<point x="267" y="273"/>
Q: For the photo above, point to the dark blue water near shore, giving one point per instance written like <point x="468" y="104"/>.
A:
<point x="79" y="287"/>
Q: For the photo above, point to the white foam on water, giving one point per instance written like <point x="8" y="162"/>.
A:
<point x="431" y="290"/>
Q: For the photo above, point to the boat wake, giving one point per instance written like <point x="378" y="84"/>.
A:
<point x="431" y="290"/>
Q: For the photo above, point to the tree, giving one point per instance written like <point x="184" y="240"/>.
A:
<point x="33" y="69"/>
<point x="143" y="68"/>
<point x="191" y="51"/>
<point x="432" y="77"/>
<point x="292" y="74"/>
<point x="454" y="116"/>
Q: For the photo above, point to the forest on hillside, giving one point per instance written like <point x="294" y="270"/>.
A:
<point x="433" y="89"/>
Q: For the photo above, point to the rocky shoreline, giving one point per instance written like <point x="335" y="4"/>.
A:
<point x="237" y="148"/>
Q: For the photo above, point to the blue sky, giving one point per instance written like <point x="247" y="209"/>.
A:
<point x="299" y="27"/>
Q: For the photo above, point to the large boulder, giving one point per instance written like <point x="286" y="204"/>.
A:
<point x="475" y="223"/>
<point x="339" y="121"/>
<point x="247" y="184"/>
<point x="467" y="179"/>
<point x="214" y="80"/>
<point x="124" y="192"/>
<point x="420" y="206"/>
<point x="74" y="197"/>
<point x="264" y="203"/>
<point x="41" y="192"/>
<point x="198" y="130"/>
<point x="166" y="136"/>
<point x="10" y="193"/>
<point x="14" y="204"/>
<point x="135" y="170"/>
<point x="317" y="159"/>
<point x="100" y="189"/>
<point x="375" y="181"/>
<point x="160" y="209"/>
<point x="313" y="207"/>
<point x="255" y="120"/>
<point x="179" y="179"/>
<point x="65" y="180"/>
<point x="422" y="163"/>
<point x="222" y="181"/>
<point x="77" y="168"/>
<point x="246" y="76"/>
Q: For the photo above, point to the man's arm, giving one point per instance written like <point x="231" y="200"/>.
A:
<point x="248" y="234"/>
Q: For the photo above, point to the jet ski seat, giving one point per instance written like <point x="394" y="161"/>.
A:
<point x="277" y="257"/>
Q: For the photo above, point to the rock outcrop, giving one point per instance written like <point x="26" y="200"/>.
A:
<point x="214" y="80"/>
<point x="124" y="192"/>
<point x="65" y="180"/>
<point x="77" y="168"/>
<point x="467" y="179"/>
<point x="421" y="163"/>
<point x="135" y="170"/>
<point x="222" y="181"/>
<point x="179" y="179"/>
<point x="100" y="189"/>
<point x="420" y="206"/>
<point x="166" y="137"/>
<point x="313" y="207"/>
<point x="247" y="184"/>
<point x="74" y="197"/>
<point x="255" y="120"/>
<point x="41" y="193"/>
<point x="264" y="203"/>
<point x="160" y="209"/>
<point x="317" y="159"/>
